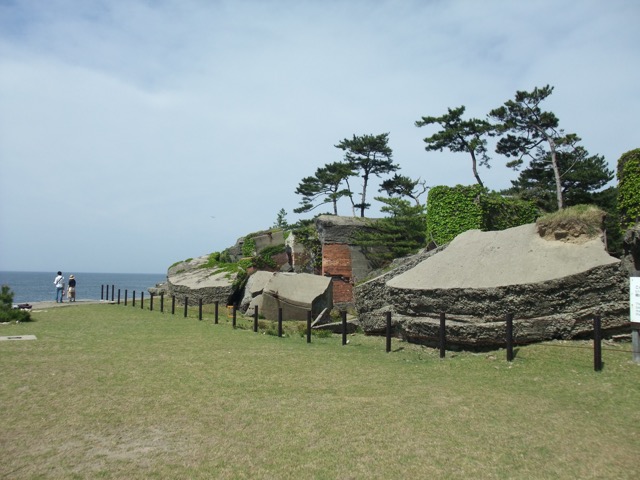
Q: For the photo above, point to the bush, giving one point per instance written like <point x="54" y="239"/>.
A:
<point x="7" y="312"/>
<point x="629" y="188"/>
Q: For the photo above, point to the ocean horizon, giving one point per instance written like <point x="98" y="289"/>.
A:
<point x="28" y="287"/>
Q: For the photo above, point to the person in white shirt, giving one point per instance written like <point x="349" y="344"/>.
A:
<point x="59" y="283"/>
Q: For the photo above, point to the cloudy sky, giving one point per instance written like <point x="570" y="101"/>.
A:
<point x="136" y="133"/>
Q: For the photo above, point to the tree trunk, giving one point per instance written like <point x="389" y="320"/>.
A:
<point x="474" y="167"/>
<point x="556" y="173"/>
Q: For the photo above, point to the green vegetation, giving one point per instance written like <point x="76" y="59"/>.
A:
<point x="453" y="210"/>
<point x="7" y="312"/>
<point x="402" y="233"/>
<point x="116" y="392"/>
<point x="583" y="218"/>
<point x="629" y="188"/>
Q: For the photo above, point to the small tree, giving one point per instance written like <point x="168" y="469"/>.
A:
<point x="324" y="187"/>
<point x="401" y="233"/>
<point x="281" y="219"/>
<point x="7" y="312"/>
<point x="526" y="129"/>
<point x="458" y="135"/>
<point x="368" y="155"/>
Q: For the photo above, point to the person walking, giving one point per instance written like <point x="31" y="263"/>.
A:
<point x="72" y="289"/>
<point x="59" y="283"/>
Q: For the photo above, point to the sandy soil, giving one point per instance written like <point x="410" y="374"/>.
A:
<point x="515" y="256"/>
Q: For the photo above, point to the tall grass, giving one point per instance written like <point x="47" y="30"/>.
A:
<point x="112" y="392"/>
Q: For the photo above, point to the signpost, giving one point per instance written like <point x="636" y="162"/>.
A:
<point x="634" y="305"/>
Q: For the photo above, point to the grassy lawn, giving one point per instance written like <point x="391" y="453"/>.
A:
<point x="109" y="391"/>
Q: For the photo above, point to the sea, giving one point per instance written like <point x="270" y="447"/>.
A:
<point x="28" y="287"/>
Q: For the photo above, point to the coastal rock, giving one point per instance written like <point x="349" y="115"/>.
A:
<point x="192" y="280"/>
<point x="553" y="289"/>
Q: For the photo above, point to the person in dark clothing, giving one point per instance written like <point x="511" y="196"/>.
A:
<point x="72" y="288"/>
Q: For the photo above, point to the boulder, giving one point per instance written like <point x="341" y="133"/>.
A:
<point x="296" y="294"/>
<point x="253" y="288"/>
<point x="553" y="289"/>
<point x="189" y="279"/>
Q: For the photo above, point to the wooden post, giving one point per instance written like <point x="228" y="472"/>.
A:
<point x="112" y="292"/>
<point x="280" y="322"/>
<point x="388" y="331"/>
<point x="597" y="344"/>
<point x="102" y="292"/>
<point x="216" y="313"/>
<point x="186" y="304"/>
<point x="343" y="313"/>
<point x="509" y="320"/>
<point x="233" y="316"/>
<point x="151" y="303"/>
<point x="125" y="296"/>
<point x="255" y="319"/>
<point x="142" y="300"/>
<point x="133" y="300"/>
<point x="107" y="298"/>
<point x="200" y="309"/>
<point x="442" y="335"/>
<point x="173" y="304"/>
<point x="162" y="302"/>
<point x="118" y="296"/>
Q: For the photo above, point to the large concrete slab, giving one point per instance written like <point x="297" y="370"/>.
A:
<point x="296" y="294"/>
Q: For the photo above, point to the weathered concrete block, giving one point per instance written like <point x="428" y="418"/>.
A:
<point x="296" y="294"/>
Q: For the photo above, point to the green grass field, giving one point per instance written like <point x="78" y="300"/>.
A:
<point x="110" y="392"/>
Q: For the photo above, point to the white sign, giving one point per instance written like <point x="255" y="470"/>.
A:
<point x="634" y="298"/>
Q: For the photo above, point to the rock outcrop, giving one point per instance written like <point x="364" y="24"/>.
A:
<point x="190" y="279"/>
<point x="553" y="289"/>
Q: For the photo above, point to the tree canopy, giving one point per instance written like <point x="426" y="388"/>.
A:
<point x="458" y="135"/>
<point x="324" y="187"/>
<point x="368" y="155"/>
<point x="403" y="186"/>
<point x="581" y="177"/>
<point x="527" y="129"/>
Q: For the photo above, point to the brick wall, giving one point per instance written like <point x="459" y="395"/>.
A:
<point x="336" y="263"/>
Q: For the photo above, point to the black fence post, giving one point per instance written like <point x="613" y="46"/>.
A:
<point x="162" y="302"/>
<point x="125" y="296"/>
<point x="442" y="335"/>
<point x="107" y="297"/>
<point x="233" y="316"/>
<point x="141" y="300"/>
<point x="118" y="296"/>
<point x="280" y="322"/>
<point x="186" y="304"/>
<point x="216" y="312"/>
<point x="151" y="303"/>
<point x="509" y="320"/>
<point x="200" y="309"/>
<point x="343" y="314"/>
<point x="102" y="292"/>
<point x="388" y="331"/>
<point x="133" y="299"/>
<point x="308" y="326"/>
<point x="255" y="318"/>
<point x="112" y="292"/>
<point x="597" y="344"/>
<point x="173" y="304"/>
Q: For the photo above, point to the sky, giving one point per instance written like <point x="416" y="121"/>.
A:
<point x="138" y="133"/>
